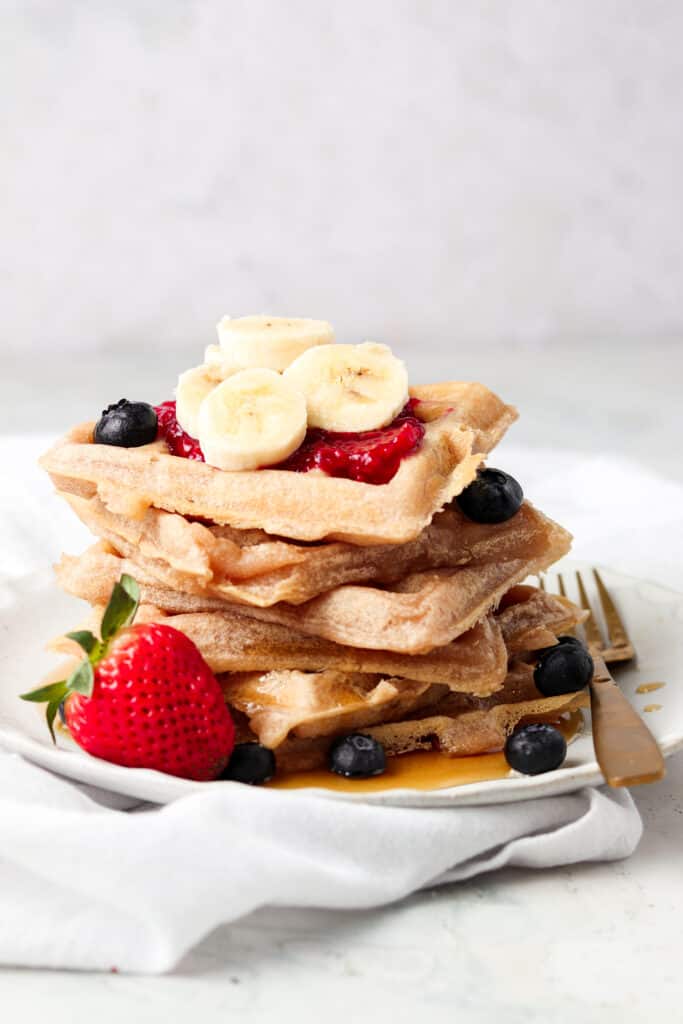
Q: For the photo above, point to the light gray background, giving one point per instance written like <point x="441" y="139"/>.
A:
<point x="425" y="173"/>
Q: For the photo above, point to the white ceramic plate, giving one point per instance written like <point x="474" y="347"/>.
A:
<point x="32" y="610"/>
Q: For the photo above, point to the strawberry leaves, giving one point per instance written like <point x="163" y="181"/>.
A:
<point x="119" y="613"/>
<point x="123" y="604"/>
<point x="50" y="715"/>
<point x="82" y="679"/>
<point x="55" y="691"/>
<point x="54" y="694"/>
<point x="85" y="639"/>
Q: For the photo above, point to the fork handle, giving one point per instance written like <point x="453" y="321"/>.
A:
<point x="626" y="750"/>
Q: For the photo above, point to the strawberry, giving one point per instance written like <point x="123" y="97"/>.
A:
<point x="143" y="697"/>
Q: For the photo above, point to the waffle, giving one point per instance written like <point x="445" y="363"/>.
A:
<point x="463" y="422"/>
<point x="230" y="642"/>
<point x="454" y="724"/>
<point x="530" y="619"/>
<point x="310" y="704"/>
<point x="314" y="704"/>
<point x="250" y="567"/>
<point x="475" y="663"/>
<point x="422" y="611"/>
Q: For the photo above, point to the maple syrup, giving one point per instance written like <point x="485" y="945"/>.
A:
<point x="649" y="687"/>
<point x="422" y="770"/>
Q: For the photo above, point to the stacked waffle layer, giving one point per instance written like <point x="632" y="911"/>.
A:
<point x="328" y="606"/>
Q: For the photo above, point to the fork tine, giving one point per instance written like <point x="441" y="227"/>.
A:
<point x="541" y="583"/>
<point x="616" y="631"/>
<point x="593" y="634"/>
<point x="563" y="593"/>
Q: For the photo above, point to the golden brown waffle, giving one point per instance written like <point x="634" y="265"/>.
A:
<point x="454" y="724"/>
<point x="422" y="611"/>
<point x="230" y="642"/>
<point x="309" y="703"/>
<point x="475" y="663"/>
<point x="458" y="733"/>
<point x="530" y="619"/>
<point x="250" y="567"/>
<point x="304" y="506"/>
<point x="313" y="704"/>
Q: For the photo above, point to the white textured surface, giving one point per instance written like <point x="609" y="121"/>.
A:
<point x="454" y="171"/>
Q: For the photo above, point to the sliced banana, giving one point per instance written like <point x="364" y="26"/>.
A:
<point x="350" y="387"/>
<point x="270" y="342"/>
<point x="192" y="388"/>
<point x="253" y="419"/>
<point x="218" y="363"/>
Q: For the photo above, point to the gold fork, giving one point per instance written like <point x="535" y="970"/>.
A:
<point x="625" y="749"/>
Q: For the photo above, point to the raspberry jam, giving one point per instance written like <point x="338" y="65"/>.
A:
<point x="370" y="457"/>
<point x="170" y="431"/>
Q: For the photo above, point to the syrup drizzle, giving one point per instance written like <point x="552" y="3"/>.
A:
<point x="423" y="770"/>
<point x="649" y="687"/>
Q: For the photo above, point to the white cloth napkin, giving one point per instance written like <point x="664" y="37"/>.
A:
<point x="86" y="884"/>
<point x="87" y="887"/>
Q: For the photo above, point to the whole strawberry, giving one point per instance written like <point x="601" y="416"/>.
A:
<point x="144" y="697"/>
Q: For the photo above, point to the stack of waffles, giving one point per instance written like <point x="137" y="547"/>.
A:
<point x="325" y="605"/>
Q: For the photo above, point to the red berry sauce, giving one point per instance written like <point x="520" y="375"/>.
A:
<point x="370" y="457"/>
<point x="170" y="431"/>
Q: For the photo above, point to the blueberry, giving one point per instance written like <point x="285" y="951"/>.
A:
<point x="250" y="763"/>
<point x="127" y="424"/>
<point x="357" y="757"/>
<point x="492" y="497"/>
<point x="536" y="748"/>
<point x="566" y="668"/>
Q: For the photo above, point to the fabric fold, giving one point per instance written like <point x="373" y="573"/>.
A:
<point x="88" y="887"/>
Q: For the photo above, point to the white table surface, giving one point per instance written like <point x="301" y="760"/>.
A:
<point x="593" y="943"/>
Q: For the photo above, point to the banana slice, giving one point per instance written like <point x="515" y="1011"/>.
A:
<point x="350" y="387"/>
<point x="192" y="388"/>
<point x="270" y="342"/>
<point x="253" y="419"/>
<point x="218" y="363"/>
<point x="195" y="384"/>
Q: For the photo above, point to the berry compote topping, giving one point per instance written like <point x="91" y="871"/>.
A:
<point x="170" y="431"/>
<point x="371" y="457"/>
